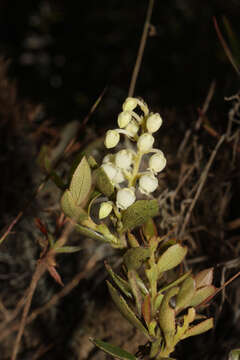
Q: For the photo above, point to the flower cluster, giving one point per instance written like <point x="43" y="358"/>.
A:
<point x="123" y="167"/>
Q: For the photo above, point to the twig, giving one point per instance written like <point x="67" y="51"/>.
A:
<point x="40" y="270"/>
<point x="202" y="181"/>
<point x="141" y="49"/>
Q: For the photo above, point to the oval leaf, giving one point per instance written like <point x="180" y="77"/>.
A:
<point x="81" y="182"/>
<point x="70" y="208"/>
<point x="113" y="350"/>
<point x="202" y="294"/>
<point x="125" y="310"/>
<point x="167" y="317"/>
<point x="138" y="213"/>
<point x="186" y="293"/>
<point x="172" y="257"/>
<point x="103" y="183"/>
<point x="199" y="328"/>
<point x="135" y="257"/>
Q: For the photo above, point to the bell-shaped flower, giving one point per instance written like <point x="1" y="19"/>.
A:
<point x="130" y="104"/>
<point x="123" y="159"/>
<point x="157" y="162"/>
<point x="110" y="170"/>
<point x="145" y="142"/>
<point x="148" y="183"/>
<point x="105" y="209"/>
<point x="125" y="198"/>
<point x="112" y="139"/>
<point x="154" y="123"/>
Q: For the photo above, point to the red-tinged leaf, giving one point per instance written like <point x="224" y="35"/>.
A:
<point x="204" y="278"/>
<point x="146" y="309"/>
<point x="55" y="275"/>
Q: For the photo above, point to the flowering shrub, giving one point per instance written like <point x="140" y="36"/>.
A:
<point x="164" y="310"/>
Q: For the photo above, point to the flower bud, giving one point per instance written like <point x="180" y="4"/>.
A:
<point x="132" y="128"/>
<point x="105" y="209"/>
<point x="118" y="178"/>
<point x="157" y="162"/>
<point x="125" y="198"/>
<point x="130" y="104"/>
<point x="123" y="159"/>
<point x="124" y="119"/>
<point x="153" y="123"/>
<point x="112" y="139"/>
<point x="148" y="183"/>
<point x="110" y="170"/>
<point x="145" y="142"/>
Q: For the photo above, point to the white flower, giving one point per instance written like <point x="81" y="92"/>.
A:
<point x="148" y="183"/>
<point x="118" y="178"/>
<point x="154" y="122"/>
<point x="157" y="162"/>
<point x="125" y="198"/>
<point x="105" y="209"/>
<point x="123" y="159"/>
<point x="130" y="104"/>
<point x="107" y="159"/>
<point x="110" y="170"/>
<point x="124" y="119"/>
<point x="132" y="128"/>
<point x="112" y="138"/>
<point x="145" y="142"/>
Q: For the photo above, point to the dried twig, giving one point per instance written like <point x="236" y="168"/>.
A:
<point x="141" y="49"/>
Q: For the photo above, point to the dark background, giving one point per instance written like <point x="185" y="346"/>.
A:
<point x="64" y="53"/>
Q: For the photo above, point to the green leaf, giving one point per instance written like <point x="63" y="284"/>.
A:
<point x="113" y="350"/>
<point x="70" y="208"/>
<point x="167" y="317"/>
<point x="146" y="309"/>
<point x="103" y="183"/>
<point x="125" y="310"/>
<point x="68" y="249"/>
<point x="90" y="233"/>
<point x="138" y="213"/>
<point x="81" y="182"/>
<point x="121" y="283"/>
<point x="185" y="294"/>
<point x="202" y="294"/>
<point x="135" y="290"/>
<point x="199" y="328"/>
<point x="172" y="257"/>
<point x="175" y="282"/>
<point x="149" y="229"/>
<point x="135" y="257"/>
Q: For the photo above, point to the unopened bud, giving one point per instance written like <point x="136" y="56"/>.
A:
<point x="157" y="162"/>
<point x="148" y="183"/>
<point x="130" y="104"/>
<point x="125" y="198"/>
<point x="145" y="142"/>
<point x="132" y="128"/>
<point x="105" y="209"/>
<point x="112" y="139"/>
<point x="153" y="123"/>
<point x="109" y="170"/>
<point x="124" y="119"/>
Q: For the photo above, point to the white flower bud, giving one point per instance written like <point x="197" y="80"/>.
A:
<point x="157" y="162"/>
<point x="124" y="119"/>
<point x="148" y="183"/>
<point x="153" y="123"/>
<point x="130" y="104"/>
<point x="125" y="198"/>
<point x="105" y="209"/>
<point x="107" y="158"/>
<point x="123" y="159"/>
<point x="145" y="142"/>
<point x="132" y="128"/>
<point x="110" y="170"/>
<point x="112" y="139"/>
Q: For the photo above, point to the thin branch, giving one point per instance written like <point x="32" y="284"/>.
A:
<point x="141" y="49"/>
<point x="202" y="181"/>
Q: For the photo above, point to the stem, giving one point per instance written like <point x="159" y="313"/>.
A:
<point x="135" y="169"/>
